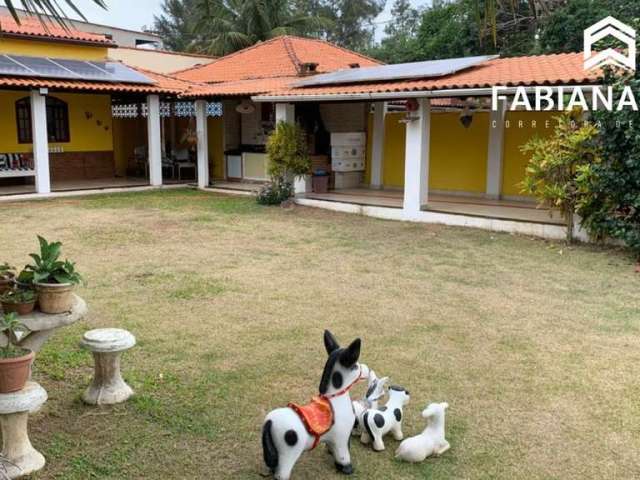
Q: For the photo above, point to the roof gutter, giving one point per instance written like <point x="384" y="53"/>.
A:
<point x="379" y="96"/>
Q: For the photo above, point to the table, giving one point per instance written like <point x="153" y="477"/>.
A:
<point x="42" y="325"/>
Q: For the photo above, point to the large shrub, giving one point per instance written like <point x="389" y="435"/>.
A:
<point x="559" y="164"/>
<point x="288" y="152"/>
<point x="611" y="205"/>
<point x="288" y="158"/>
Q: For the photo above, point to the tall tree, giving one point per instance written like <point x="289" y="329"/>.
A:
<point x="401" y="35"/>
<point x="448" y="30"/>
<point x="229" y="25"/>
<point x="354" y="26"/>
<point x="497" y="16"/>
<point x="48" y="7"/>
<point x="177" y="23"/>
<point x="562" y="30"/>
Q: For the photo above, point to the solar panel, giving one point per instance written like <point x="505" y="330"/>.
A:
<point x="122" y="72"/>
<point x="400" y="71"/>
<point x="23" y="66"/>
<point x="41" y="66"/>
<point x="9" y="67"/>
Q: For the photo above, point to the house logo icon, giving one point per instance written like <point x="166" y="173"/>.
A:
<point x="616" y="29"/>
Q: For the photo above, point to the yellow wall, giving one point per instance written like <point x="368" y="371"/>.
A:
<point x="216" y="147"/>
<point x="519" y="130"/>
<point x="458" y="155"/>
<point x="395" y="135"/>
<point x="52" y="49"/>
<point x="458" y="160"/>
<point x="85" y="133"/>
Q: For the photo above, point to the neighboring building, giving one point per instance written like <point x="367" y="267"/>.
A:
<point x="160" y="61"/>
<point x="120" y="36"/>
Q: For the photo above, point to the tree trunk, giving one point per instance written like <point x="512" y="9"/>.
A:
<point x="569" y="217"/>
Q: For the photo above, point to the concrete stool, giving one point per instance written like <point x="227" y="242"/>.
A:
<point x="107" y="344"/>
<point x="15" y="407"/>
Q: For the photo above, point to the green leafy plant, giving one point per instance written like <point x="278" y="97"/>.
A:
<point x="274" y="193"/>
<point x="18" y="296"/>
<point x="555" y="174"/>
<point x="11" y="327"/>
<point x="288" y="153"/>
<point x="47" y="268"/>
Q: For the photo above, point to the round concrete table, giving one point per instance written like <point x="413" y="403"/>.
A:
<point x="42" y="325"/>
<point x="15" y="407"/>
<point x="107" y="386"/>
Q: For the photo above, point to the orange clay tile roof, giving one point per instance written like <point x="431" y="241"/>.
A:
<point x="256" y="86"/>
<point x="278" y="57"/>
<point x="30" y="27"/>
<point x="163" y="84"/>
<point x="560" y="69"/>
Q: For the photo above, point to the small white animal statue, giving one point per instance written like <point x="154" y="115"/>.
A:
<point x="329" y="418"/>
<point x="379" y="422"/>
<point x="375" y="391"/>
<point x="431" y="441"/>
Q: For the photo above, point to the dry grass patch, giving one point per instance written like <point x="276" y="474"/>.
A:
<point x="534" y="345"/>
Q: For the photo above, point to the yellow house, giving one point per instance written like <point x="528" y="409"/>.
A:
<point x="422" y="142"/>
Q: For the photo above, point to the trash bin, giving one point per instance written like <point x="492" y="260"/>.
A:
<point x="320" y="182"/>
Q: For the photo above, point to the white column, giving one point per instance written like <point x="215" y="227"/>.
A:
<point x="40" y="140"/>
<point x="285" y="112"/>
<point x="496" y="151"/>
<point x="416" y="163"/>
<point x="154" y="145"/>
<point x="203" y="143"/>
<point x="377" y="145"/>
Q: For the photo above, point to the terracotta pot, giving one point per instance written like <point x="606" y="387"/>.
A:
<point x="19" y="308"/>
<point x="55" y="297"/>
<point x="14" y="372"/>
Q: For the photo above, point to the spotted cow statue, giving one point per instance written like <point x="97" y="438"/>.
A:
<point x="378" y="422"/>
<point x="329" y="418"/>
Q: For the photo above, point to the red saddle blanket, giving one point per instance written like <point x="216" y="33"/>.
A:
<point x="317" y="416"/>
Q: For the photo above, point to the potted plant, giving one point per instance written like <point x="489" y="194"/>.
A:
<point x="6" y="277"/>
<point x="19" y="300"/>
<point x="15" y="361"/>
<point x="54" y="279"/>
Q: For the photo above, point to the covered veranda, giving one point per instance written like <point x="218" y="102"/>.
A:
<point x="451" y="157"/>
<point x="66" y="136"/>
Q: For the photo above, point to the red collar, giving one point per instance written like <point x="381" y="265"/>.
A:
<point x="347" y="388"/>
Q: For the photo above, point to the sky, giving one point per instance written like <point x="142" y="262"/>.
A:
<point x="135" y="14"/>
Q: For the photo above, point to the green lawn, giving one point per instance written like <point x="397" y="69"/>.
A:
<point x="534" y="345"/>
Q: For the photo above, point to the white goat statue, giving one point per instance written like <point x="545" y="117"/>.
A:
<point x="431" y="441"/>
<point x="375" y="391"/>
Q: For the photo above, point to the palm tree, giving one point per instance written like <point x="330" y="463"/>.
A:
<point x="230" y="25"/>
<point x="47" y="7"/>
